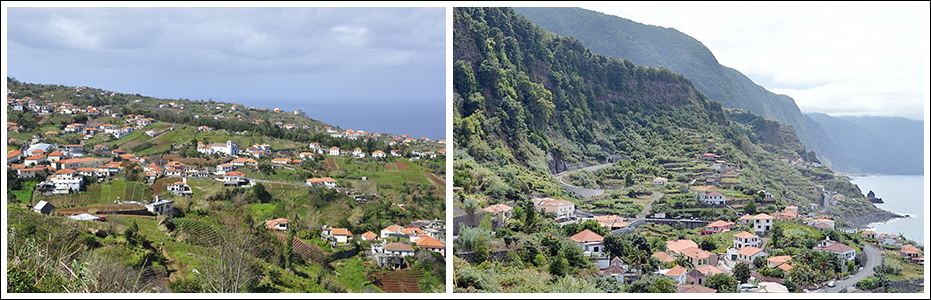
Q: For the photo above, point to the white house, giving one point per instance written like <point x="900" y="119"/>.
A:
<point x="160" y="207"/>
<point x="326" y="182"/>
<point x="844" y="251"/>
<point x="745" y="239"/>
<point x="592" y="244"/>
<point x="334" y="151"/>
<point x="228" y="148"/>
<point x="358" y="152"/>
<point x="761" y="223"/>
<point x="399" y="249"/>
<point x="821" y="223"/>
<point x="234" y="176"/>
<point x="379" y="153"/>
<point x="224" y="168"/>
<point x="714" y="198"/>
<point x="342" y="235"/>
<point x="67" y="179"/>
<point x="749" y="254"/>
<point x="277" y="224"/>
<point x="561" y="208"/>
<point x="307" y="155"/>
<point x="180" y="187"/>
<point x="677" y="274"/>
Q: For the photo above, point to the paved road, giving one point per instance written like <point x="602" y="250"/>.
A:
<point x="873" y="258"/>
<point x="581" y="191"/>
<point x="279" y="182"/>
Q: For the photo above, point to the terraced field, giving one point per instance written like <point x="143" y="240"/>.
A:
<point x="402" y="165"/>
<point x="400" y="281"/>
<point x="330" y="164"/>
<point x="306" y="250"/>
<point x="201" y="234"/>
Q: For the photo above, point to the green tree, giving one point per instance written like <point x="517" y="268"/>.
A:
<point x="750" y="208"/>
<point x="130" y="233"/>
<point x="742" y="272"/>
<point x="259" y="191"/>
<point x="722" y="282"/>
<point x="559" y="267"/>
<point x="652" y="284"/>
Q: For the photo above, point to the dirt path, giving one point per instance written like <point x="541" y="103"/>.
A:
<point x="173" y="275"/>
<point x="435" y="180"/>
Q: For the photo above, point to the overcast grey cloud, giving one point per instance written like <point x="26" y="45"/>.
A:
<point x="289" y="57"/>
<point x="847" y="58"/>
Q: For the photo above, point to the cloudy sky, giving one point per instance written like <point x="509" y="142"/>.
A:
<point x="349" y="59"/>
<point x="840" y="59"/>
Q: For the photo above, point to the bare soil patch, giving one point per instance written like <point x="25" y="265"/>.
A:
<point x="401" y="165"/>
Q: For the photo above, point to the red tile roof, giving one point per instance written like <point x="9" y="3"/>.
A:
<point x="587" y="236"/>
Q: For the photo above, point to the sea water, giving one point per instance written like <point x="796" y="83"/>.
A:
<point x="902" y="194"/>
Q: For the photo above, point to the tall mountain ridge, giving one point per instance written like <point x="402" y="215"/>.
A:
<point x="885" y="145"/>
<point x="529" y="102"/>
<point x="669" y="48"/>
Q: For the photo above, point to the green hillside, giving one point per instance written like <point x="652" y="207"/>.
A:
<point x="669" y="48"/>
<point x="531" y="106"/>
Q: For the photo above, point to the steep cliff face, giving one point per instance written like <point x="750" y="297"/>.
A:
<point x="529" y="103"/>
<point x="669" y="48"/>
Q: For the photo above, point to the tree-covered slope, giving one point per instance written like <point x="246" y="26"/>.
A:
<point x="529" y="103"/>
<point x="669" y="48"/>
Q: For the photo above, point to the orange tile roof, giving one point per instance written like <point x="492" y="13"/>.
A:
<point x="709" y="270"/>
<point x="368" y="235"/>
<point x="235" y="173"/>
<point x="745" y="235"/>
<point x="664" y="257"/>
<point x="749" y="251"/>
<point x="779" y="259"/>
<point x="676" y="271"/>
<point x="412" y="231"/>
<point x="720" y="223"/>
<point x="679" y="245"/>
<point x="277" y="221"/>
<point x="392" y="228"/>
<point x="587" y="236"/>
<point x="65" y="171"/>
<point x="498" y="208"/>
<point x="762" y="217"/>
<point x="909" y="249"/>
<point x="342" y="231"/>
<point x="429" y="242"/>
<point x="696" y="253"/>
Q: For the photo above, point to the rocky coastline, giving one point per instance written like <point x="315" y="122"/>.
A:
<point x="862" y="221"/>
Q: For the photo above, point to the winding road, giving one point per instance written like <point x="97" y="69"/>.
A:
<point x="582" y="192"/>
<point x="873" y="257"/>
